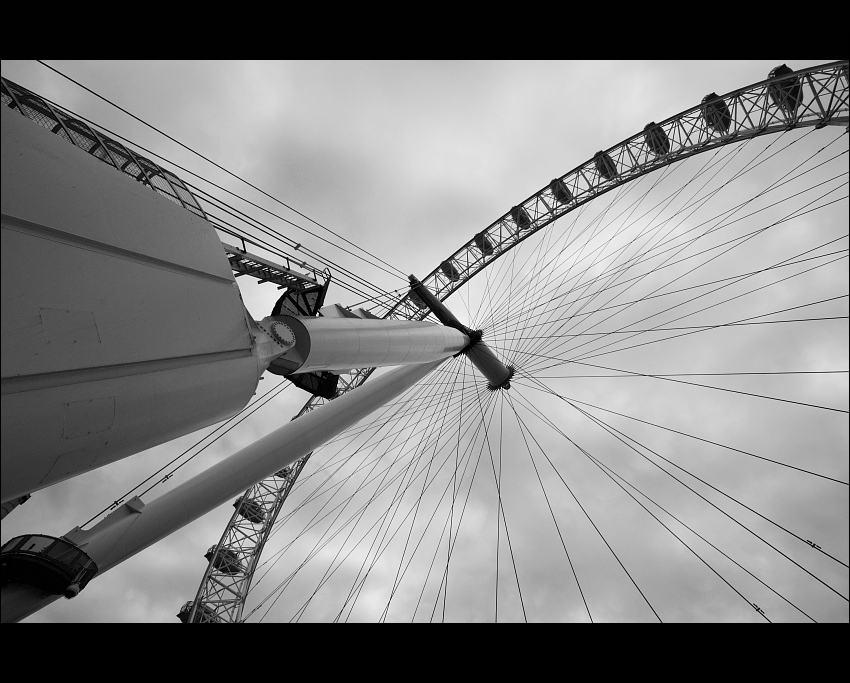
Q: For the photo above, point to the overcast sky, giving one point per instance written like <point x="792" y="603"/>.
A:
<point x="409" y="160"/>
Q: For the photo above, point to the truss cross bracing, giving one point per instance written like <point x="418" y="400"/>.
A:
<point x="244" y="263"/>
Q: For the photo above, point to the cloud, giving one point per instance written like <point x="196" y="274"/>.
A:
<point x="408" y="160"/>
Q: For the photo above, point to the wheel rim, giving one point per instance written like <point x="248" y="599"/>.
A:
<point x="535" y="358"/>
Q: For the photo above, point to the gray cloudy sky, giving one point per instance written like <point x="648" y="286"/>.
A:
<point x="409" y="160"/>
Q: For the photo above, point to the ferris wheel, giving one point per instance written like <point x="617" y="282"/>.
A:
<point x="673" y="313"/>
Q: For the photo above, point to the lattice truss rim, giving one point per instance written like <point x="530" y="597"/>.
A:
<point x="88" y="138"/>
<point x="78" y="133"/>
<point x="753" y="111"/>
<point x="760" y="109"/>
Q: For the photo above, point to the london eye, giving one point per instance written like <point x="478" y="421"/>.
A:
<point x="670" y="443"/>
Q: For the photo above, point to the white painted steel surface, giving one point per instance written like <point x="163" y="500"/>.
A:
<point x="136" y="525"/>
<point x="339" y="344"/>
<point x="122" y="324"/>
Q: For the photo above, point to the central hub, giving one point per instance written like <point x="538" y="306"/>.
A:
<point x="283" y="334"/>
<point x="498" y="375"/>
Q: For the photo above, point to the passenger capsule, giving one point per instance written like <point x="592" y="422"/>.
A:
<point x="560" y="191"/>
<point x="204" y="614"/>
<point x="227" y="560"/>
<point x="484" y="244"/>
<point x="250" y="510"/>
<point x="417" y="300"/>
<point x="716" y="113"/>
<point x="656" y="139"/>
<point x="605" y="165"/>
<point x="787" y="93"/>
<point x="521" y="217"/>
<point x="450" y="271"/>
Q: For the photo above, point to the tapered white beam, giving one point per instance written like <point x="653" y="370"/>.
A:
<point x="136" y="525"/>
<point x="339" y="344"/>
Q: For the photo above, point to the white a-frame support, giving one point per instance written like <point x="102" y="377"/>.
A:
<point x="136" y="525"/>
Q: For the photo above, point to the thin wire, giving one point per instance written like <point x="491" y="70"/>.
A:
<point x="281" y="386"/>
<point x="616" y="199"/>
<point x="354" y="515"/>
<point x="684" y="289"/>
<point x="593" y="353"/>
<point x="284" y="239"/>
<point x="444" y="410"/>
<point x="263" y="192"/>
<point x="314" y="521"/>
<point x="524" y="428"/>
<point x="723" y="213"/>
<point x="605" y="471"/>
<point x="598" y="531"/>
<point x="610" y="429"/>
<point x="709" y="292"/>
<point x="701" y="328"/>
<point x="676" y="431"/>
<point x="708" y="386"/>
<point x="358" y="515"/>
<point x="262" y="227"/>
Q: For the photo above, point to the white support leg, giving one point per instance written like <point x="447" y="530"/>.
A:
<point x="136" y="525"/>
